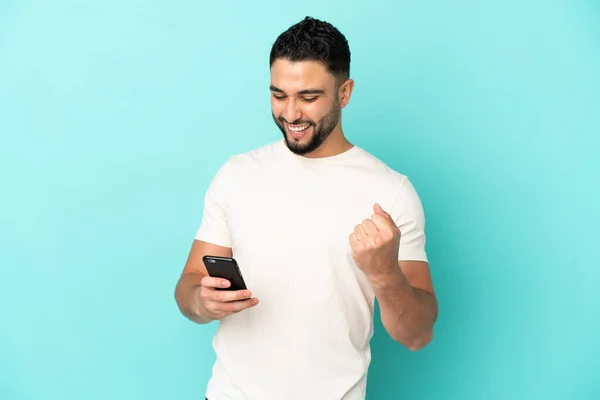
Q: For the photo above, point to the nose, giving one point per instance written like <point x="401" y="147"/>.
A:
<point x="291" y="111"/>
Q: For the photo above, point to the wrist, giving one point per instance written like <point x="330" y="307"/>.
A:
<point x="392" y="277"/>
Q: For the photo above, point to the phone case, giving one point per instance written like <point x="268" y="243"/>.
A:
<point x="226" y="268"/>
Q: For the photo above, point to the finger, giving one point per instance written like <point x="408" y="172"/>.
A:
<point x="379" y="211"/>
<point x="360" y="233"/>
<point x="237" y="306"/>
<point x="211" y="306"/>
<point x="225" y="296"/>
<point x="369" y="227"/>
<point x="212" y="282"/>
<point x="383" y="223"/>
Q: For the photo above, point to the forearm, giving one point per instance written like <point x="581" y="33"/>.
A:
<point x="185" y="297"/>
<point x="408" y="314"/>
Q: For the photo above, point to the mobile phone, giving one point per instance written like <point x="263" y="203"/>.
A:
<point x="226" y="268"/>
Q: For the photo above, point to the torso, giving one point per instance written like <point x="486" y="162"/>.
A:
<point x="290" y="219"/>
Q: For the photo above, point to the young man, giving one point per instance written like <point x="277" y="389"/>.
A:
<point x="319" y="228"/>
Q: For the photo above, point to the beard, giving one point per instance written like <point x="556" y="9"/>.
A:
<point x="321" y="131"/>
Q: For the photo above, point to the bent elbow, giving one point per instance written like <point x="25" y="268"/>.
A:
<point x="419" y="342"/>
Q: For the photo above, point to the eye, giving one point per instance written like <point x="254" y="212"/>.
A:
<point x="310" y="99"/>
<point x="278" y="97"/>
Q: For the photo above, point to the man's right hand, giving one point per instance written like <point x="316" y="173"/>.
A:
<point x="196" y="294"/>
<point x="218" y="304"/>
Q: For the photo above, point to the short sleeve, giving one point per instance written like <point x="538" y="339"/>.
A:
<point x="214" y="226"/>
<point x="407" y="212"/>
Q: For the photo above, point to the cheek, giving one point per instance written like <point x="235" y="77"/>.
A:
<point x="276" y="108"/>
<point x="315" y="112"/>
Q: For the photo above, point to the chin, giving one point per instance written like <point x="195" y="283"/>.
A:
<point x="303" y="139"/>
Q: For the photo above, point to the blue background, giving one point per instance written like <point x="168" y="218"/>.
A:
<point x="114" y="116"/>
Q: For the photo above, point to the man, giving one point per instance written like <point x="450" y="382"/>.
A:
<point x="319" y="228"/>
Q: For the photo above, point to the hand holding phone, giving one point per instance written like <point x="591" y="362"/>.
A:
<point x="223" y="292"/>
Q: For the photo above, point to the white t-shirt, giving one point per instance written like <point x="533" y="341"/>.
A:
<point x="287" y="219"/>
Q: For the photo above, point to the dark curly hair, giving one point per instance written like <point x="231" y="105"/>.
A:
<point x="314" y="40"/>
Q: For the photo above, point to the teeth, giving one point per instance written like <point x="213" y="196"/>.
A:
<point x="297" y="129"/>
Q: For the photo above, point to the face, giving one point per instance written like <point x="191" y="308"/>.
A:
<point x="306" y="104"/>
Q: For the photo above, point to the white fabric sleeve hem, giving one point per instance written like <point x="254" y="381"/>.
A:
<point x="213" y="237"/>
<point x="407" y="212"/>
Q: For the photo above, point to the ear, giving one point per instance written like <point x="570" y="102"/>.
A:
<point x="345" y="92"/>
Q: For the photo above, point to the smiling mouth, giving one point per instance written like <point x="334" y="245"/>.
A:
<point x="297" y="131"/>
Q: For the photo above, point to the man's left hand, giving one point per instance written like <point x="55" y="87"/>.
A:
<point x="375" y="244"/>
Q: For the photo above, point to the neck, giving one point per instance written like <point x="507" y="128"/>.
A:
<point x="335" y="144"/>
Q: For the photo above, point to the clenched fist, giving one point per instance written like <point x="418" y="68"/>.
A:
<point x="375" y="244"/>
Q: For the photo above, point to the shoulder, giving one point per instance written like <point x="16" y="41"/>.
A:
<point x="379" y="170"/>
<point x="401" y="195"/>
<point x="240" y="164"/>
<point x="258" y="156"/>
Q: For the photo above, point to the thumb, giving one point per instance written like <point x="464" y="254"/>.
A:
<point x="378" y="210"/>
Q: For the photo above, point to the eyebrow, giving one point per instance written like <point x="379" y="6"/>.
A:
<point x="301" y="92"/>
